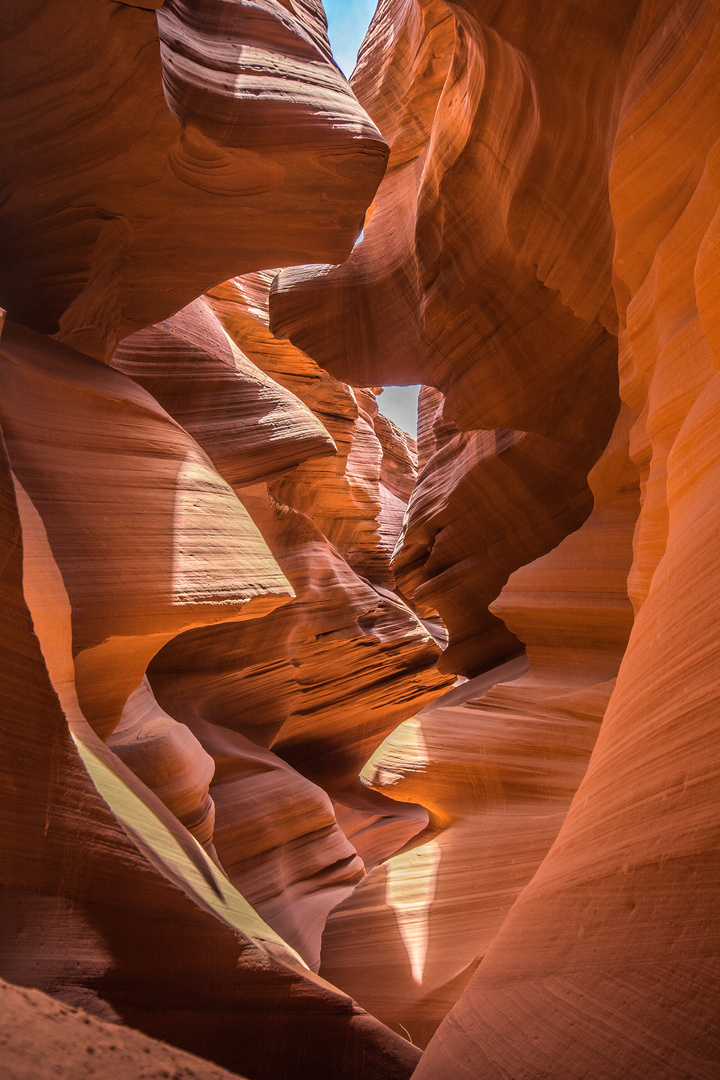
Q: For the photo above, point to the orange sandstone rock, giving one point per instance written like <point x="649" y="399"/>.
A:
<point x="135" y="921"/>
<point x="169" y="760"/>
<point x="484" y="271"/>
<point x="227" y="512"/>
<point x="497" y="762"/>
<point x="485" y="502"/>
<point x="127" y="498"/>
<point x="607" y="963"/>
<point x="178" y="149"/>
<point x="249" y="425"/>
<point x="284" y="680"/>
<point x="49" y="1040"/>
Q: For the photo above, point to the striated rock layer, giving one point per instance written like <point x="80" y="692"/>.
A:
<point x="558" y="188"/>
<point x="129" y="534"/>
<point x="224" y="573"/>
<point x="622" y="913"/>
<point x="165" y="151"/>
<point x="325" y="683"/>
<point x="497" y="762"/>
<point x="607" y="962"/>
<point x="107" y="901"/>
<point x="475" y="276"/>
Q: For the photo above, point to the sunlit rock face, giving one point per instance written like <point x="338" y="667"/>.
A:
<point x="166" y="150"/>
<point x="290" y="711"/>
<point x="484" y="271"/>
<point x="125" y="529"/>
<point x="620" y="914"/>
<point x="551" y="195"/>
<point x="107" y="901"/>
<point x="497" y="762"/>
<point x="136" y="548"/>
<point x="246" y="807"/>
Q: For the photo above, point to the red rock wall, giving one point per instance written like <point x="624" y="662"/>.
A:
<point x="158" y="501"/>
<point x="473" y="276"/>
<point x="497" y="762"/>
<point x="562" y="181"/>
<point x="221" y="565"/>
<point x="151" y="132"/>
<point x="608" y="962"/>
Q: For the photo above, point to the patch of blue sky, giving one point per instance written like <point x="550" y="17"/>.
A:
<point x="348" y="21"/>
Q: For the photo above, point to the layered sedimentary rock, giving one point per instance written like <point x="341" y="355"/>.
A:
<point x="615" y="874"/>
<point x="485" y="502"/>
<point x="135" y="922"/>
<point x="514" y="334"/>
<point x="221" y="565"/>
<point x="241" y="417"/>
<point x="131" y="531"/>
<point x="164" y="151"/>
<point x="192" y="556"/>
<point x="621" y="913"/>
<point x="127" y="516"/>
<point x="288" y="684"/>
<point x="497" y="762"/>
<point x="549" y="136"/>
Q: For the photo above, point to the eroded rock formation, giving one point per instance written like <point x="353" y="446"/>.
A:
<point x="236" y="812"/>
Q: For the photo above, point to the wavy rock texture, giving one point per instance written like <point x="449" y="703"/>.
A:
<point x="497" y="762"/>
<point x="513" y="333"/>
<point x="165" y="131"/>
<point x="342" y="637"/>
<point x="127" y="516"/>
<point x="169" y="759"/>
<point x="192" y="557"/>
<point x="249" y="428"/>
<point x="560" y="187"/>
<point x="607" y="964"/>
<point x="223" y="572"/>
<point x="153" y="132"/>
<point x="135" y="922"/>
<point x="485" y="502"/>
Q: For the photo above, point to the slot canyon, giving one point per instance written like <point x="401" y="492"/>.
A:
<point x="329" y="753"/>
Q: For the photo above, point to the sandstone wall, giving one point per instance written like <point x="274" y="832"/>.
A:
<point x="563" y="189"/>
<point x="159" y="494"/>
<point x="234" y="813"/>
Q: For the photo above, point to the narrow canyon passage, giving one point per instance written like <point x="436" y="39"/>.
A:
<point x="331" y="748"/>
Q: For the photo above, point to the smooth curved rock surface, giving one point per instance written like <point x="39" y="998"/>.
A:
<point x="321" y="682"/>
<point x="277" y="839"/>
<point x="607" y="963"/>
<point x="358" y="497"/>
<point x="128" y="516"/>
<point x="112" y="893"/>
<point x="485" y="503"/>
<point x="340" y="632"/>
<point x="153" y="132"/>
<point x="484" y="271"/>
<point x="221" y="558"/>
<point x="249" y="426"/>
<point x="497" y="762"/>
<point x="507" y="149"/>
<point x="169" y="760"/>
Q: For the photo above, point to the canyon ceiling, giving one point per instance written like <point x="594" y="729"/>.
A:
<point x="325" y="753"/>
